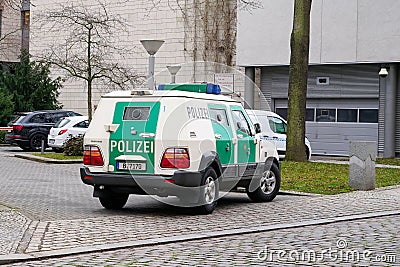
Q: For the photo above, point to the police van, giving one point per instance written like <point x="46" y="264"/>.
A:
<point x="183" y="140"/>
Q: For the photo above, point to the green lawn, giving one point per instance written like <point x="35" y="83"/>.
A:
<point x="395" y="162"/>
<point x="329" y="179"/>
<point x="59" y="156"/>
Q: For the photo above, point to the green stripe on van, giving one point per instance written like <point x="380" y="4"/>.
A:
<point x="134" y="119"/>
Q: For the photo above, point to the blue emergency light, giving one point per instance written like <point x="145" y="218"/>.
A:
<point x="208" y="88"/>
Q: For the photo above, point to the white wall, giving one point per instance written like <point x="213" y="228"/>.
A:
<point x="145" y="22"/>
<point x="10" y="45"/>
<point x="342" y="31"/>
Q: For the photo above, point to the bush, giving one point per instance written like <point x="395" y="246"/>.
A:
<point x="74" y="146"/>
<point x="2" y="136"/>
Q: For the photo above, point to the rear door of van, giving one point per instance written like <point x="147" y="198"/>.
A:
<point x="132" y="144"/>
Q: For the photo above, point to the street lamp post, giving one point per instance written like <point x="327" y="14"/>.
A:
<point x="151" y="47"/>
<point x="173" y="70"/>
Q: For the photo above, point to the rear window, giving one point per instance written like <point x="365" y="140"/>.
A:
<point x="61" y="123"/>
<point x="16" y="119"/>
<point x="136" y="113"/>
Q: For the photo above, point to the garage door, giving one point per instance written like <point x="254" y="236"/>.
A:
<point x="332" y="124"/>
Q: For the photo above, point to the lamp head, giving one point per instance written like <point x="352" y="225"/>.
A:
<point x="383" y="72"/>
<point x="152" y="46"/>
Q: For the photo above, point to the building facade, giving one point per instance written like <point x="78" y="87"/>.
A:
<point x="350" y="42"/>
<point x="11" y="41"/>
<point x="202" y="31"/>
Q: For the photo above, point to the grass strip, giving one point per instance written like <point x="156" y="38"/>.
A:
<point x="327" y="178"/>
<point x="58" y="156"/>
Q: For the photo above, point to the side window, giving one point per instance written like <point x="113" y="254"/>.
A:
<point x="38" y="118"/>
<point x="219" y="116"/>
<point x="277" y="125"/>
<point x="82" y="124"/>
<point x="240" y="122"/>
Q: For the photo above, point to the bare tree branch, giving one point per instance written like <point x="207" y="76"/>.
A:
<point x="90" y="51"/>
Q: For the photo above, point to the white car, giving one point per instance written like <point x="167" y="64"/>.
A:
<point x="63" y="129"/>
<point x="274" y="128"/>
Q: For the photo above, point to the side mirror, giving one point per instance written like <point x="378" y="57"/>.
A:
<point x="257" y="127"/>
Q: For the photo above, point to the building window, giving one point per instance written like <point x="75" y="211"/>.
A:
<point x="347" y="115"/>
<point x="282" y="112"/>
<point x="326" y="115"/>
<point x="310" y="114"/>
<point x="27" y="16"/>
<point x="369" y="115"/>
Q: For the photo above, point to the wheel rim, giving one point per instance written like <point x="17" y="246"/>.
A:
<point x="268" y="182"/>
<point x="209" y="190"/>
<point x="37" y="142"/>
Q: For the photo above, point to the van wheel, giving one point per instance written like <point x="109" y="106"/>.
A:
<point x="269" y="186"/>
<point x="114" y="203"/>
<point x="209" y="192"/>
<point x="36" y="142"/>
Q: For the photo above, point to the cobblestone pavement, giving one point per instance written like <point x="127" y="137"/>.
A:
<point x="12" y="228"/>
<point x="369" y="242"/>
<point x="65" y="216"/>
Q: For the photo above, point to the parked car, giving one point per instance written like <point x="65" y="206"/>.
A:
<point x="64" y="129"/>
<point x="274" y="128"/>
<point x="30" y="128"/>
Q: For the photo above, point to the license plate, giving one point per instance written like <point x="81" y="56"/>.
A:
<point x="51" y="141"/>
<point x="131" y="166"/>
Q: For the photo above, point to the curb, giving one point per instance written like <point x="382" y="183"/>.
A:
<point x="300" y="194"/>
<point x="46" y="160"/>
<point x="14" y="258"/>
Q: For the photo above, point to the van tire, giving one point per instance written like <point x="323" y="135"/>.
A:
<point x="209" y="192"/>
<point x="114" y="203"/>
<point x="269" y="186"/>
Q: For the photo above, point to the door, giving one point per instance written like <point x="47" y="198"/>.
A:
<point x="246" y="149"/>
<point x="132" y="144"/>
<point x="223" y="133"/>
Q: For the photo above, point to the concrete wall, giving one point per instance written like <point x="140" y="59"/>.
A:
<point x="342" y="31"/>
<point x="145" y="22"/>
<point x="10" y="43"/>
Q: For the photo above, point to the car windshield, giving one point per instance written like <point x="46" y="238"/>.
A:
<point x="61" y="123"/>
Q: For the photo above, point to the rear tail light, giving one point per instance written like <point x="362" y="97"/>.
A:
<point x="17" y="127"/>
<point x="92" y="156"/>
<point x="175" y="158"/>
<point x="63" y="131"/>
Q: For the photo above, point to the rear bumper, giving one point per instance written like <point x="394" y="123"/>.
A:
<point x="16" y="141"/>
<point x="181" y="183"/>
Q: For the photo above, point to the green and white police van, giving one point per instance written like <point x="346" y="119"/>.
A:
<point x="182" y="140"/>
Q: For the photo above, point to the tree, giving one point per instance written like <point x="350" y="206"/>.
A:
<point x="30" y="85"/>
<point x="90" y="51"/>
<point x="6" y="107"/>
<point x="298" y="76"/>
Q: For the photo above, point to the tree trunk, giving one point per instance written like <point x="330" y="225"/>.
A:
<point x="298" y="76"/>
